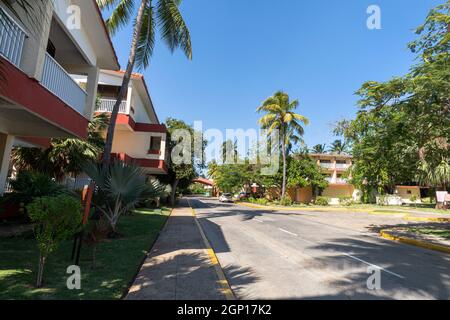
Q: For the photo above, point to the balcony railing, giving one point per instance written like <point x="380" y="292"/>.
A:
<point x="327" y="165"/>
<point x="342" y="166"/>
<point x="12" y="38"/>
<point x="61" y="84"/>
<point x="107" y="105"/>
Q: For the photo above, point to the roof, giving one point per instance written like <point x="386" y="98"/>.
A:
<point x="331" y="155"/>
<point x="99" y="13"/>
<point x="137" y="76"/>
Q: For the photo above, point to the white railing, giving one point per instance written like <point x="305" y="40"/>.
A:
<point x="327" y="165"/>
<point x="341" y="180"/>
<point x="12" y="38"/>
<point x="61" y="84"/>
<point x="77" y="184"/>
<point x="342" y="166"/>
<point x="107" y="105"/>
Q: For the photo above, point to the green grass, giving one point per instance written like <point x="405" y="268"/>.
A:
<point x="117" y="262"/>
<point x="443" y="233"/>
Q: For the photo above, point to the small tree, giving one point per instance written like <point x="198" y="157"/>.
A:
<point x="56" y="218"/>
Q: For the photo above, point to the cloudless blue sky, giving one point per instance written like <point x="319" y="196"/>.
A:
<point x="244" y="50"/>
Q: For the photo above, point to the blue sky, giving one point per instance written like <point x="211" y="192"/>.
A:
<point x="320" y="52"/>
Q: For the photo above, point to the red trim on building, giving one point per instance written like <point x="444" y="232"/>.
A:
<point x="140" y="127"/>
<point x="145" y="127"/>
<point x="30" y="94"/>
<point x="144" y="163"/>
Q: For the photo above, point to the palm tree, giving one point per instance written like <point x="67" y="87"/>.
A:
<point x="166" y="15"/>
<point x="338" y="147"/>
<point x="64" y="155"/>
<point x="319" y="148"/>
<point x="280" y="115"/>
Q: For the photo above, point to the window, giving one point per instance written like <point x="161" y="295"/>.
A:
<point x="155" y="144"/>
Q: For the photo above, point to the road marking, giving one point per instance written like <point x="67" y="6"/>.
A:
<point x="374" y="265"/>
<point x="288" y="232"/>
<point x="258" y="220"/>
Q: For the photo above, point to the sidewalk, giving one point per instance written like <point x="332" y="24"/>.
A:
<point x="178" y="267"/>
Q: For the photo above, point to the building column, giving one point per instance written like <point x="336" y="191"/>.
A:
<point x="35" y="46"/>
<point x="6" y="145"/>
<point x="129" y="96"/>
<point x="91" y="90"/>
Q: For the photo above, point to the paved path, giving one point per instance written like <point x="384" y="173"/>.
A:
<point x="270" y="254"/>
<point x="178" y="267"/>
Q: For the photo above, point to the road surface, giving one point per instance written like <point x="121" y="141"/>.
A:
<point x="318" y="255"/>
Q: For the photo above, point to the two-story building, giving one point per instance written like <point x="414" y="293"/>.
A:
<point x="39" y="57"/>
<point x="334" y="167"/>
<point x="139" y="136"/>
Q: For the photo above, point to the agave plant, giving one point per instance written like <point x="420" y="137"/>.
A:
<point x="119" y="188"/>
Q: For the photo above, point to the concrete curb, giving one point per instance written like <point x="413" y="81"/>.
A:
<point x="223" y="281"/>
<point x="426" y="245"/>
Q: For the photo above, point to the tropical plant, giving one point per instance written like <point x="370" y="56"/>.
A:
<point x="30" y="185"/>
<point x="151" y="13"/>
<point x="322" y="201"/>
<point x="338" y="147"/>
<point x="319" y="148"/>
<point x="280" y="115"/>
<point x="64" y="156"/>
<point x="120" y="186"/>
<point x="56" y="219"/>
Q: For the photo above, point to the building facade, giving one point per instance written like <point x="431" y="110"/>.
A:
<point x="139" y="137"/>
<point x="39" y="58"/>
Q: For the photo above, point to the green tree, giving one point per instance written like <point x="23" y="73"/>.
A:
<point x="338" y="147"/>
<point x="319" y="148"/>
<point x="402" y="131"/>
<point x="182" y="139"/>
<point x="304" y="172"/>
<point x="280" y="115"/>
<point x="56" y="219"/>
<point x="151" y="13"/>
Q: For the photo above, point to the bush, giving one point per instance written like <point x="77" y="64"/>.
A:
<point x="346" y="201"/>
<point x="30" y="185"/>
<point x="322" y="201"/>
<point x="286" y="201"/>
<point x="56" y="218"/>
<point x="262" y="201"/>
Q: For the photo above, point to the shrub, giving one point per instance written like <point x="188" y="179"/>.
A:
<point x="262" y="201"/>
<point x="121" y="187"/>
<point x="286" y="201"/>
<point x="346" y="201"/>
<point x="56" y="218"/>
<point x="30" y="185"/>
<point x="322" y="201"/>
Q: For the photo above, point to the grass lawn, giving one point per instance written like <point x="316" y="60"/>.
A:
<point x="442" y="233"/>
<point x="117" y="262"/>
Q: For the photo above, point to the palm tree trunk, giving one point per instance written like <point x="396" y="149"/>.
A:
<point x="283" y="150"/>
<point x="174" y="192"/>
<point x="40" y="275"/>
<point x="125" y="83"/>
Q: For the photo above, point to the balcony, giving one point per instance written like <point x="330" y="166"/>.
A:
<point x="342" y="166"/>
<point x="107" y="105"/>
<point x="327" y="165"/>
<point x="12" y="38"/>
<point x="61" y="84"/>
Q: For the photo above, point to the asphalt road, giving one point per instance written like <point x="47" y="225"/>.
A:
<point x="311" y="255"/>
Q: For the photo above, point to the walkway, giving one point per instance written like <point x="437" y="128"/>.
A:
<point x="178" y="267"/>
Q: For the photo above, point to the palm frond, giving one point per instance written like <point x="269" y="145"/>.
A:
<point x="120" y="16"/>
<point x="146" y="42"/>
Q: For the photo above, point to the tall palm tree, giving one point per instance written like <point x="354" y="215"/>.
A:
<point x="319" y="148"/>
<point x="338" y="147"/>
<point x="151" y="14"/>
<point x="280" y="115"/>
